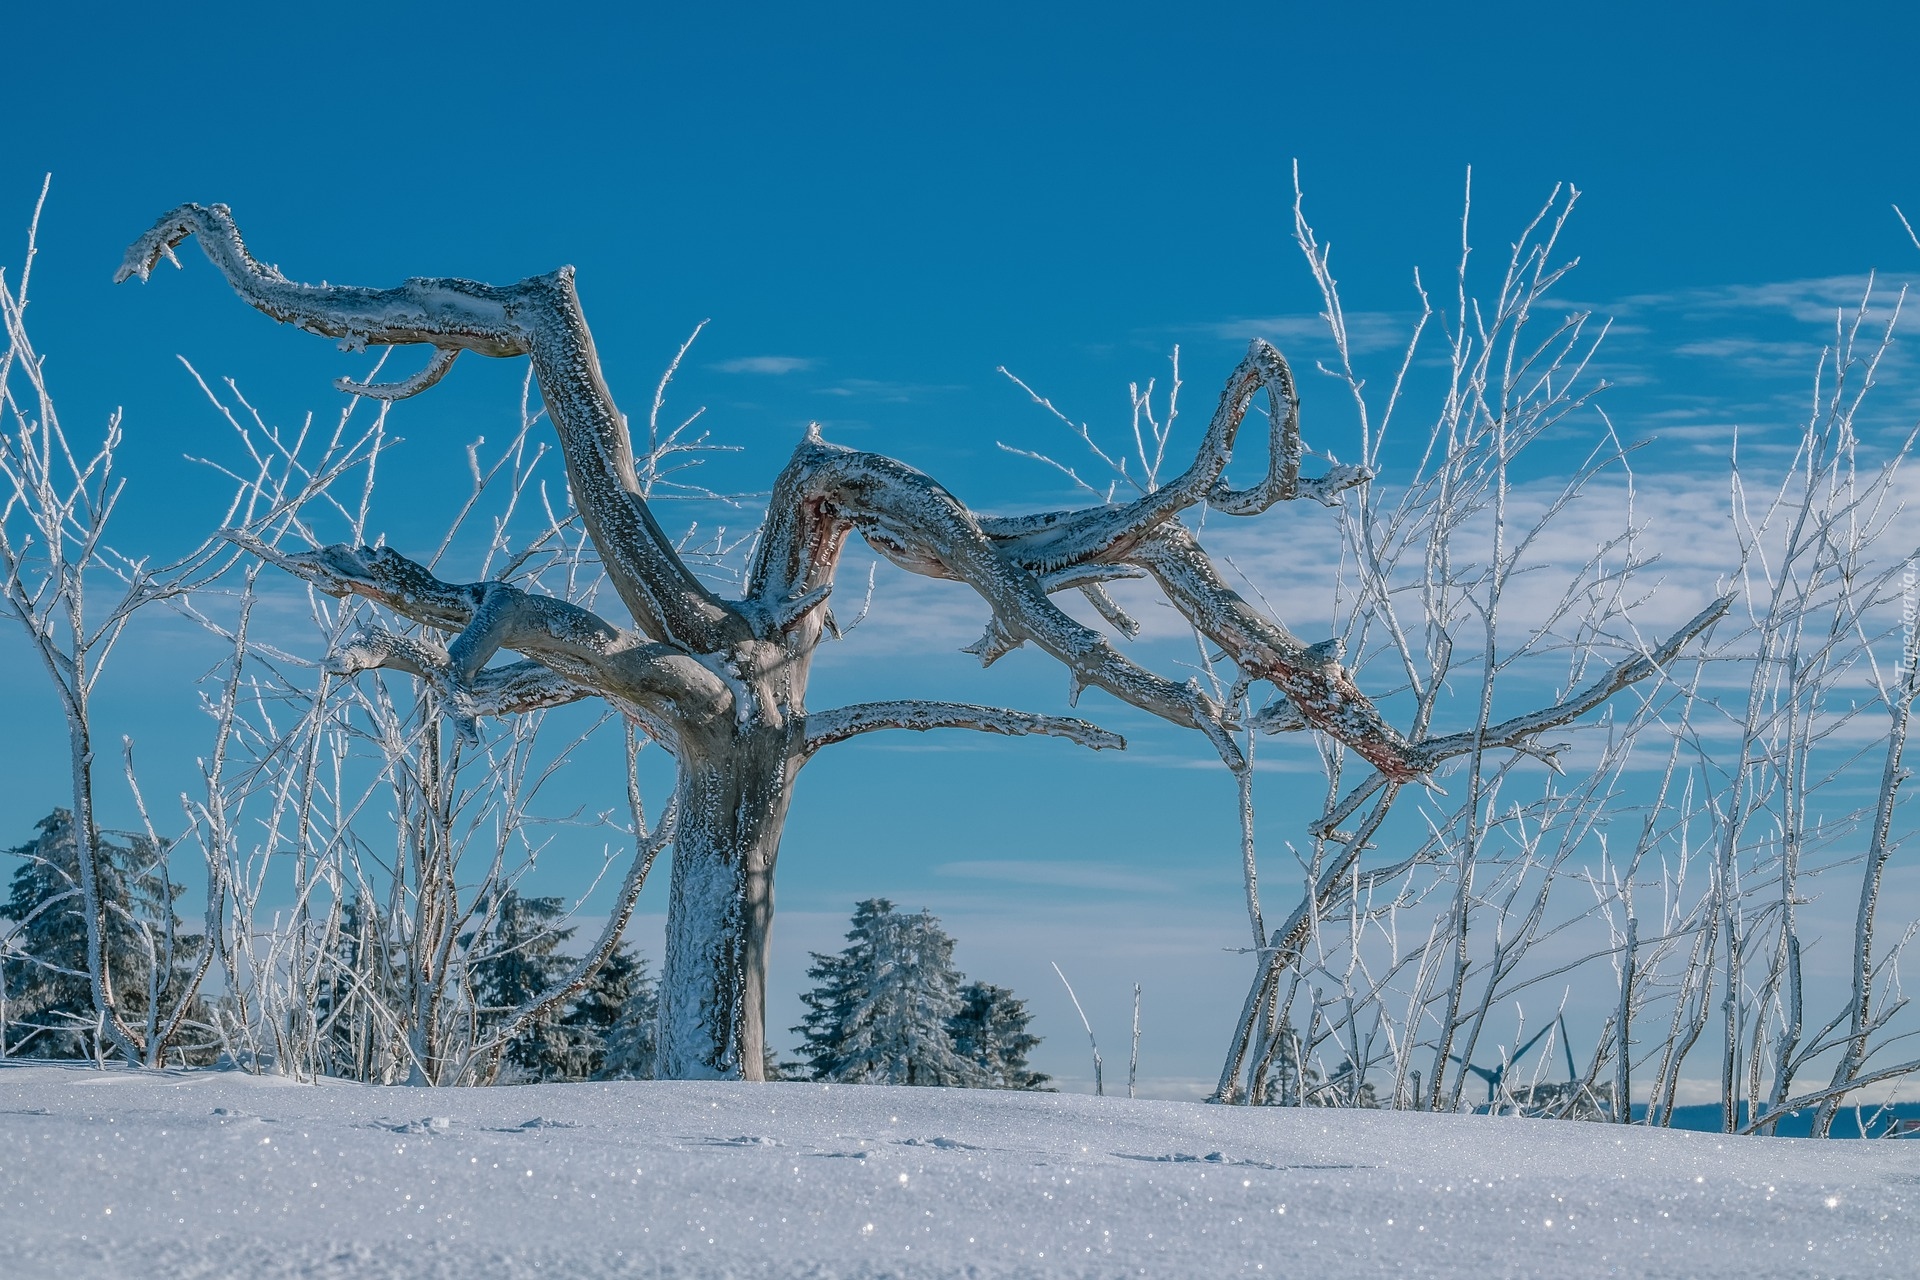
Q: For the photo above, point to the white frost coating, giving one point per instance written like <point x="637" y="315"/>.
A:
<point x="501" y="691"/>
<point x="722" y="683"/>
<point x="914" y="521"/>
<point x="1278" y="716"/>
<point x="221" y="1174"/>
<point x="827" y="727"/>
<point x="435" y="369"/>
<point x="727" y="673"/>
<point x="1116" y="617"/>
<point x="656" y="683"/>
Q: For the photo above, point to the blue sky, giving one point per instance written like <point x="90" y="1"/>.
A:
<point x="877" y="206"/>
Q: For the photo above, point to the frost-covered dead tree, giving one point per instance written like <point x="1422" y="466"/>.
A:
<point x="721" y="683"/>
<point x="364" y="846"/>
<point x="73" y="596"/>
<point x="1828" y="555"/>
<point x="1677" y="837"/>
<point x="1440" y="600"/>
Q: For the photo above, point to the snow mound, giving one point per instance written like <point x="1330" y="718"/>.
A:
<point x="210" y="1174"/>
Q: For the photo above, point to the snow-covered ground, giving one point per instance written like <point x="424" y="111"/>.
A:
<point x="221" y="1174"/>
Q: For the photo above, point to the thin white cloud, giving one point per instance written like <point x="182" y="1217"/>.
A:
<point x="765" y="364"/>
<point x="1056" y="874"/>
<point x="885" y="392"/>
<point x="1367" y="331"/>
<point x="1753" y="352"/>
<point x="1815" y="300"/>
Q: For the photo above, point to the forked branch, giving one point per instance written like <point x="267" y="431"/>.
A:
<point x="827" y="491"/>
<point x="499" y="691"/>
<point x="539" y="317"/>
<point x="581" y="651"/>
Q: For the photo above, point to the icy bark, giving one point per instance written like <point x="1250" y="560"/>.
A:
<point x="737" y="764"/>
<point x="828" y="727"/>
<point x="713" y="989"/>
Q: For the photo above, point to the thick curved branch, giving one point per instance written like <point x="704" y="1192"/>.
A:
<point x="827" y="727"/>
<point x="1518" y="732"/>
<point x="443" y="312"/>
<point x="577" y="646"/>
<point x="827" y="491"/>
<point x="1055" y="540"/>
<point x="1285" y="452"/>
<point x="499" y="691"/>
<point x="429" y="376"/>
<point x="1318" y="688"/>
<point x="538" y="317"/>
<point x="1521" y="729"/>
<point x="1285" y="449"/>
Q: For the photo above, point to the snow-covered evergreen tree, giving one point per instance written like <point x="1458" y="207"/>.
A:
<point x="614" y="1019"/>
<point x="633" y="1039"/>
<point x="49" y="1001"/>
<point x="516" y="959"/>
<point x="358" y="986"/>
<point x="990" y="1031"/>
<point x="841" y="982"/>
<point x="1295" y="1080"/>
<point x="883" y="1009"/>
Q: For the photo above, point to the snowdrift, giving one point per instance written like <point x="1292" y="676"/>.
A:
<point x="192" y="1174"/>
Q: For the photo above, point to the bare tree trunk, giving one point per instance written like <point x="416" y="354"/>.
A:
<point x="1880" y="847"/>
<point x="713" y="986"/>
<point x="86" y="846"/>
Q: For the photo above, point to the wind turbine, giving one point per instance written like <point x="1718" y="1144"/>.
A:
<point x="1494" y="1076"/>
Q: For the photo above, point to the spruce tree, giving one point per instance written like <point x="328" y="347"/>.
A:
<point x="628" y="1043"/>
<point x="591" y="1020"/>
<point x="882" y="1011"/>
<point x="841" y="984"/>
<point x="990" y="1031"/>
<point x="357" y="980"/>
<point x="49" y="996"/>
<point x="1295" y="1081"/>
<point x="517" y="958"/>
